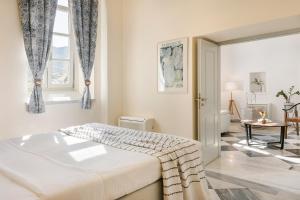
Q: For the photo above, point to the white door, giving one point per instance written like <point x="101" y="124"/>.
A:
<point x="209" y="99"/>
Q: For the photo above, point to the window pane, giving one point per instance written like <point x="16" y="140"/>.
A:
<point x="60" y="72"/>
<point x="60" y="47"/>
<point x="61" y="24"/>
<point x="63" y="3"/>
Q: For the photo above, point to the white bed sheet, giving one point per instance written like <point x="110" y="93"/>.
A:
<point x="112" y="172"/>
<point x="10" y="190"/>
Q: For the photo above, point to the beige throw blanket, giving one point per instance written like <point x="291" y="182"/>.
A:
<point x="182" y="170"/>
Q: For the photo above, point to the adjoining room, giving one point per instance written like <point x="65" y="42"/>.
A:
<point x="149" y="100"/>
<point x="259" y="79"/>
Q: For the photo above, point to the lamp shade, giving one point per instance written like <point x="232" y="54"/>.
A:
<point x="230" y="86"/>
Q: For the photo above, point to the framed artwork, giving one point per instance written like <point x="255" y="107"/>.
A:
<point x="172" y="66"/>
<point x="257" y="82"/>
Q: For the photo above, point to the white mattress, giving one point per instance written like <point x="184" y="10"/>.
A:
<point x="64" y="161"/>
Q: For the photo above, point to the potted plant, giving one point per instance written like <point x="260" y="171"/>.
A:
<point x="287" y="95"/>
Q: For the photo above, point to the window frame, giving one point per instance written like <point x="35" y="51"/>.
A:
<point x="70" y="86"/>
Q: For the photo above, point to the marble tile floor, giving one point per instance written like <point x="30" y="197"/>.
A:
<point x="258" y="171"/>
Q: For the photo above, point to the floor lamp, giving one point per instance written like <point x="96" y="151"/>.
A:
<point x="231" y="86"/>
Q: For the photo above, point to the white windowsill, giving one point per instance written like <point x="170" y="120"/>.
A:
<point x="61" y="97"/>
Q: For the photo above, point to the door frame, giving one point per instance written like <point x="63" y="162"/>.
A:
<point x="198" y="106"/>
<point x="278" y="28"/>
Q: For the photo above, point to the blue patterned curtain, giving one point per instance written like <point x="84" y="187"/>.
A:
<point x="85" y="17"/>
<point x="37" y="19"/>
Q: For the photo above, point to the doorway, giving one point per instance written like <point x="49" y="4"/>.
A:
<point x="232" y="166"/>
<point x="209" y="87"/>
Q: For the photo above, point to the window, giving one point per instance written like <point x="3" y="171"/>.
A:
<point x="59" y="73"/>
<point x="60" y="65"/>
<point x="62" y="80"/>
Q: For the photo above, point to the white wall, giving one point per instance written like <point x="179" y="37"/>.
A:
<point x="134" y="29"/>
<point x="279" y="57"/>
<point x="14" y="120"/>
<point x="147" y="22"/>
<point x="115" y="59"/>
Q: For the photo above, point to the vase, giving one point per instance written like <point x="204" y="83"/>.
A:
<point x="288" y="105"/>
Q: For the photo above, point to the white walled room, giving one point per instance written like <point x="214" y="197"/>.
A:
<point x="277" y="57"/>
<point x="131" y="33"/>
<point x="145" y="23"/>
<point x="121" y="99"/>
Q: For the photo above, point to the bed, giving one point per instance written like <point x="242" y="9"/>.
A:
<point x="78" y="164"/>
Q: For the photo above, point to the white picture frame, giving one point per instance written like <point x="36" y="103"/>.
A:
<point x="257" y="82"/>
<point x="172" y="66"/>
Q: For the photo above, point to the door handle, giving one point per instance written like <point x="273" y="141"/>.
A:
<point x="200" y="99"/>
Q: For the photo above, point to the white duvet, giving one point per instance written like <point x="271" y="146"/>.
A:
<point x="59" y="167"/>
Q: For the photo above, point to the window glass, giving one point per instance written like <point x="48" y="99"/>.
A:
<point x="63" y="3"/>
<point x="60" y="47"/>
<point x="61" y="24"/>
<point x="60" y="72"/>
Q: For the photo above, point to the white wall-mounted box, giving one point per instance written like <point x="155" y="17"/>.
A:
<point x="138" y="123"/>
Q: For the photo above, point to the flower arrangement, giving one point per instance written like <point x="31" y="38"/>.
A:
<point x="263" y="117"/>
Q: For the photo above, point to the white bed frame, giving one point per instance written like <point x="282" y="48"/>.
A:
<point x="153" y="191"/>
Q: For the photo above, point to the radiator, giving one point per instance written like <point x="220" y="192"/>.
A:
<point x="138" y="123"/>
